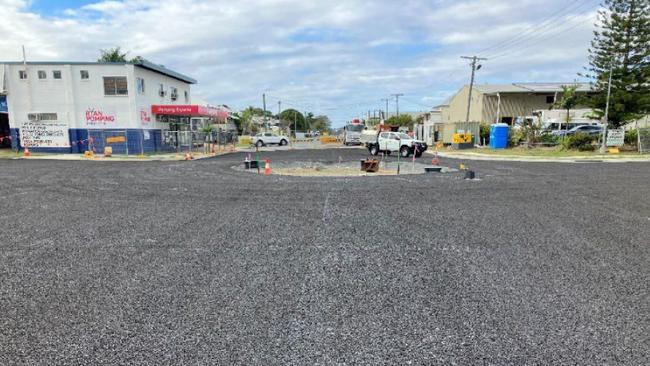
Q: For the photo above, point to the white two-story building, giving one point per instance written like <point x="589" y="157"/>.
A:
<point x="79" y="106"/>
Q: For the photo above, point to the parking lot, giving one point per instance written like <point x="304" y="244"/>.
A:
<point x="195" y="263"/>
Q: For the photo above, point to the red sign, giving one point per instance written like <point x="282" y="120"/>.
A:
<point x="189" y="110"/>
<point x="97" y="117"/>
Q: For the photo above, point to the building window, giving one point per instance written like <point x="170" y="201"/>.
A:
<point x="22" y="74"/>
<point x="56" y="74"/>
<point x="161" y="91"/>
<point x="84" y="74"/>
<point x="140" y="85"/>
<point x="173" y="93"/>
<point x="550" y="99"/>
<point x="42" y="117"/>
<point x="115" y="85"/>
<point x="42" y="75"/>
<point x="187" y="96"/>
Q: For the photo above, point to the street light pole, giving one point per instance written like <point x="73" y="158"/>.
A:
<point x="603" y="147"/>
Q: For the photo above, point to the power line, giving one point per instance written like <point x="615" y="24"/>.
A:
<point x="548" y="21"/>
<point x="544" y="34"/>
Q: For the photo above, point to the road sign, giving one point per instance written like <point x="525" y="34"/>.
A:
<point x="616" y="137"/>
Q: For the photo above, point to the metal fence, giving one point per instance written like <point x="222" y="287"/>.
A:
<point x="181" y="141"/>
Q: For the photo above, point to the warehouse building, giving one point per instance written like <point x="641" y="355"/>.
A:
<point x="72" y="107"/>
<point x="501" y="103"/>
<point x="504" y="102"/>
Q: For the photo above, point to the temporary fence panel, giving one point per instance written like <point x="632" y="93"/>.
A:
<point x="118" y="140"/>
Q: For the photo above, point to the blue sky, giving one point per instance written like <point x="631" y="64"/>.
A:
<point x="334" y="58"/>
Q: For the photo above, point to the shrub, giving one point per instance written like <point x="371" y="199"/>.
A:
<point x="484" y="133"/>
<point x="516" y="136"/>
<point x="579" y="141"/>
<point x="549" y="139"/>
<point x="632" y="137"/>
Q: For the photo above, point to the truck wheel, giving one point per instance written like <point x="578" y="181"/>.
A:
<point x="259" y="143"/>
<point x="388" y="153"/>
<point x="404" y="152"/>
<point x="283" y="143"/>
<point x="374" y="150"/>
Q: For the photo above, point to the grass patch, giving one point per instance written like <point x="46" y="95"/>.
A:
<point x="542" y="152"/>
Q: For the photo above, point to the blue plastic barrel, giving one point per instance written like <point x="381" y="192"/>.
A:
<point x="499" y="135"/>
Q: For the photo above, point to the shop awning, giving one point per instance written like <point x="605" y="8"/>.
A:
<point x="190" y="110"/>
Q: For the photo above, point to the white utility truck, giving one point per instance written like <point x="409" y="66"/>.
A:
<point x="387" y="142"/>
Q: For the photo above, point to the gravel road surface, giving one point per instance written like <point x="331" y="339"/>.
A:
<point x="196" y="263"/>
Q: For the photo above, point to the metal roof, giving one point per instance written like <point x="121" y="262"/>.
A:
<point x="529" y="87"/>
<point x="144" y="64"/>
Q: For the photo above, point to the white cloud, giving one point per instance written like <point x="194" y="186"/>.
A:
<point x="239" y="49"/>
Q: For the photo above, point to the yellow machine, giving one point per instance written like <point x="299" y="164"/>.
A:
<point x="462" y="138"/>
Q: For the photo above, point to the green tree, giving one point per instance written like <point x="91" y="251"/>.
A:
<point x="403" y="120"/>
<point x="623" y="44"/>
<point x="321" y="124"/>
<point x="116" y="55"/>
<point x="293" y="119"/>
<point x="112" y="55"/>
<point x="246" y="118"/>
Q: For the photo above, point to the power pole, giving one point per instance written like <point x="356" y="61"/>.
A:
<point x="386" y="114"/>
<point x="264" y="104"/>
<point x="474" y="65"/>
<point x="279" y="108"/>
<point x="397" y="102"/>
<point x="603" y="147"/>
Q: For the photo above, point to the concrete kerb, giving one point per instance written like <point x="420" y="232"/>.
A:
<point x="535" y="159"/>
<point x="145" y="158"/>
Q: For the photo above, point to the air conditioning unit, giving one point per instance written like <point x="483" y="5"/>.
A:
<point x="162" y="93"/>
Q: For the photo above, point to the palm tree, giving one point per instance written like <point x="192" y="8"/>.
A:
<point x="568" y="101"/>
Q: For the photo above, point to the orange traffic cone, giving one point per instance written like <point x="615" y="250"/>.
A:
<point x="188" y="156"/>
<point x="267" y="167"/>
<point x="26" y="152"/>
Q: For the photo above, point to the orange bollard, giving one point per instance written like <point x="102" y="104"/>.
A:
<point x="26" y="152"/>
<point x="188" y="156"/>
<point x="267" y="167"/>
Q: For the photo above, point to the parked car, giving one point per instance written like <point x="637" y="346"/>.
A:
<point x="586" y="129"/>
<point x="268" y="138"/>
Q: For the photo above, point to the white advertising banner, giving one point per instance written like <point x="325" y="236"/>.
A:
<point x="44" y="134"/>
<point x="616" y="137"/>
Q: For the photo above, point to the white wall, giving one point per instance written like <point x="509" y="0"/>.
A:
<point x="72" y="98"/>
<point x="151" y="96"/>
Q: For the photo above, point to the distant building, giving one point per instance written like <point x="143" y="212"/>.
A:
<point x="503" y="103"/>
<point x="76" y="106"/>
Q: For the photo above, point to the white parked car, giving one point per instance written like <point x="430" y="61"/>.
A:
<point x="268" y="138"/>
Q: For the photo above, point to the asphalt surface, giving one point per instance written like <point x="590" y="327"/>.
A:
<point x="196" y="263"/>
